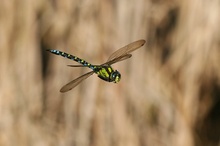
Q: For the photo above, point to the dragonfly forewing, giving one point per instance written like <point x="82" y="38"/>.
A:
<point x="120" y="58"/>
<point x="126" y="49"/>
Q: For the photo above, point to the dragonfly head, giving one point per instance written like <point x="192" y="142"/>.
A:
<point x="115" y="76"/>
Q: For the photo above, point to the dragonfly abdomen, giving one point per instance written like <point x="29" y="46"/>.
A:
<point x="74" y="58"/>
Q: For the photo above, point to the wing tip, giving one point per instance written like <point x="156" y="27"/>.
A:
<point x="63" y="90"/>
<point x="142" y="42"/>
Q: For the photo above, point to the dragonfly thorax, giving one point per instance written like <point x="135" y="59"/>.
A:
<point x="107" y="73"/>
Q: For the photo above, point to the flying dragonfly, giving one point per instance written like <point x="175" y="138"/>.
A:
<point x="104" y="71"/>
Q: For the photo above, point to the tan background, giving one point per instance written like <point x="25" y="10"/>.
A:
<point x="169" y="92"/>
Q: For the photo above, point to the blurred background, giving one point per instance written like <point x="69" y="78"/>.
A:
<point x="169" y="94"/>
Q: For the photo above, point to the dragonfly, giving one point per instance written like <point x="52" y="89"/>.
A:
<point x="105" y="70"/>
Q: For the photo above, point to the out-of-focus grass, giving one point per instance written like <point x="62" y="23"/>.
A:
<point x="169" y="92"/>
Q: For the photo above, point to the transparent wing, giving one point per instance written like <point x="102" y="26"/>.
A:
<point x="121" y="58"/>
<point x="77" y="66"/>
<point x="126" y="50"/>
<point x="75" y="82"/>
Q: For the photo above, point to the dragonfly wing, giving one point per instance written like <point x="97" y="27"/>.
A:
<point x="77" y="66"/>
<point x="126" y="49"/>
<point x="75" y="82"/>
<point x="121" y="58"/>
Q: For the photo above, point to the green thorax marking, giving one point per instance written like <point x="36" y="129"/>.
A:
<point x="107" y="73"/>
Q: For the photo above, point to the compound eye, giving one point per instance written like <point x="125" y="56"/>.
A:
<point x="117" y="79"/>
<point x="116" y="76"/>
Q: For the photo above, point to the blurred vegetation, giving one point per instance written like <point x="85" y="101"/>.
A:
<point x="169" y="94"/>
